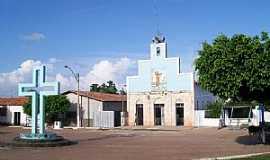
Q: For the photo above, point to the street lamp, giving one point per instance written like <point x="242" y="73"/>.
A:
<point x="122" y="104"/>
<point x="77" y="78"/>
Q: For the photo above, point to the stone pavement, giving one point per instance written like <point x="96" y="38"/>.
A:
<point x="129" y="144"/>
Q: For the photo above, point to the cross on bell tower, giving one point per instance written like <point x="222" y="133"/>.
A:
<point x="37" y="90"/>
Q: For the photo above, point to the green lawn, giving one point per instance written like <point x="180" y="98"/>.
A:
<point x="262" y="157"/>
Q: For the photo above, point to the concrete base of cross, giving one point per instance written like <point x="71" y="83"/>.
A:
<point x="40" y="140"/>
<point x="38" y="136"/>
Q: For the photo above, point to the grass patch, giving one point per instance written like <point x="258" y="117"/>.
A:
<point x="261" y="157"/>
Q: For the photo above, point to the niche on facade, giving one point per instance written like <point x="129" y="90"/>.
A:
<point x="158" y="80"/>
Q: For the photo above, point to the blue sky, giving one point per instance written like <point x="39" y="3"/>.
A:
<point x="85" y="33"/>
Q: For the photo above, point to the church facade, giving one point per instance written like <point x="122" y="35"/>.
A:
<point x="161" y="95"/>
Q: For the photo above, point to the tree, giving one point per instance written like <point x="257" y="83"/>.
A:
<point x="94" y="88"/>
<point x="27" y="108"/>
<point x="122" y="92"/>
<point x="236" y="67"/>
<point x="54" y="107"/>
<point x="110" y="88"/>
<point x="104" y="88"/>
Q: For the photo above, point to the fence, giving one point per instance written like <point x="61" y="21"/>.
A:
<point x="201" y="121"/>
<point x="104" y="119"/>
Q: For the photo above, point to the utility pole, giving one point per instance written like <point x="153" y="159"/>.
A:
<point x="88" y="109"/>
<point x="123" y="117"/>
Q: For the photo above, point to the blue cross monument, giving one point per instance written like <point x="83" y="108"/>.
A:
<point x="37" y="90"/>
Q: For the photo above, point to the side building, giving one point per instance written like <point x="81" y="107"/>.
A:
<point x="97" y="110"/>
<point x="161" y="95"/>
<point x="11" y="111"/>
<point x="93" y="104"/>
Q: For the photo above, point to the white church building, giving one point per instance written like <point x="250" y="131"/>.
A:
<point x="162" y="95"/>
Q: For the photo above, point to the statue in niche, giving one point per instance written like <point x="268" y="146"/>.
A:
<point x="158" y="79"/>
<point x="157" y="76"/>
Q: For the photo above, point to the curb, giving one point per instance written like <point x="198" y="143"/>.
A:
<point x="233" y="157"/>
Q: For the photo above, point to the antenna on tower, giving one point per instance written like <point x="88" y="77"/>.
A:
<point x="156" y="16"/>
<point x="158" y="37"/>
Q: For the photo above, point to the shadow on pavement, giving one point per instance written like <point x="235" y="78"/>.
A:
<point x="247" y="140"/>
<point x="4" y="132"/>
<point x="250" y="140"/>
<point x="106" y="137"/>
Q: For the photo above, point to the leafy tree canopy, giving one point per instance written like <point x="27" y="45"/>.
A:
<point x="236" y="67"/>
<point x="54" y="106"/>
<point x="104" y="88"/>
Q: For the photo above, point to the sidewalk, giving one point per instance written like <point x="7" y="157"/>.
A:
<point x="156" y="128"/>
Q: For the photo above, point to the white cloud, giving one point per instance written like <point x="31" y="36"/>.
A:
<point x="9" y="81"/>
<point x="101" y="72"/>
<point x="104" y="70"/>
<point x="54" y="60"/>
<point x="19" y="74"/>
<point x="34" y="36"/>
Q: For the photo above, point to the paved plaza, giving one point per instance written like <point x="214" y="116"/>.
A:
<point x="183" y="143"/>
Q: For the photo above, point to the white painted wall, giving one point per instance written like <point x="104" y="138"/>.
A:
<point x="255" y="119"/>
<point x="201" y="121"/>
<point x="267" y="116"/>
<point x="94" y="105"/>
<point x="9" y="118"/>
<point x="73" y="100"/>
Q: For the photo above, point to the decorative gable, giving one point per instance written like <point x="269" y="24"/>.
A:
<point x="160" y="73"/>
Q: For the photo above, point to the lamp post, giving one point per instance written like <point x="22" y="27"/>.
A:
<point x="77" y="78"/>
<point x="122" y="105"/>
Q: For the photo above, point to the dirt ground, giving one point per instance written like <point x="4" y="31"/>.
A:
<point x="184" y="143"/>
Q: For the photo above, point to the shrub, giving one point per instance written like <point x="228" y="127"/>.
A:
<point x="214" y="109"/>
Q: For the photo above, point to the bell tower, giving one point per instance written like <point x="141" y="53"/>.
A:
<point x="158" y="47"/>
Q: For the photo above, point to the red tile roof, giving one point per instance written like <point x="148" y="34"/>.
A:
<point x="104" y="97"/>
<point x="16" y="101"/>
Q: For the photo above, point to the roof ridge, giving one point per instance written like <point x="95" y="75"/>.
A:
<point x="100" y="96"/>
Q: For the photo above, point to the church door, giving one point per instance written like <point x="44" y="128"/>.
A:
<point x="159" y="114"/>
<point x="179" y="114"/>
<point x="139" y="115"/>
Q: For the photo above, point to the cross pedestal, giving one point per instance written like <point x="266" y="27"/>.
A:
<point x="37" y="90"/>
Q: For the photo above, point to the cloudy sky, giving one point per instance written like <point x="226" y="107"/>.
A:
<point x="103" y="39"/>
